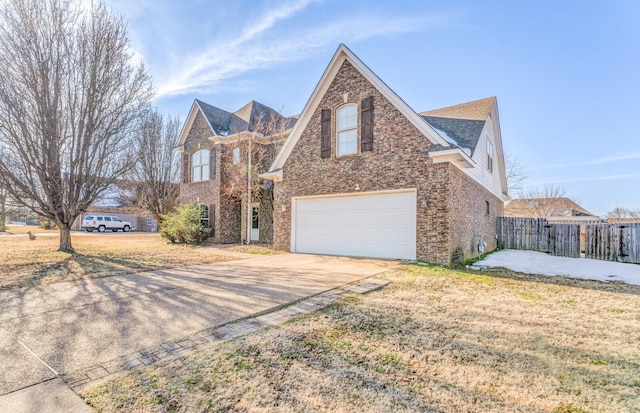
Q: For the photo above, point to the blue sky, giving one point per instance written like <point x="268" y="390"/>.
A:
<point x="565" y="73"/>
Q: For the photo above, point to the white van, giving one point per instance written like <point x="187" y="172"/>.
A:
<point x="105" y="222"/>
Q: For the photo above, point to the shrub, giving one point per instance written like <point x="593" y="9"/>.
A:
<point x="184" y="227"/>
<point x="45" y="224"/>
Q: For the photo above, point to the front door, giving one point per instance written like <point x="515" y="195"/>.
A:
<point x="255" y="224"/>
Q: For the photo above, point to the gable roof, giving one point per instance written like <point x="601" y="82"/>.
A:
<point x="341" y="55"/>
<point x="530" y="207"/>
<point x="474" y="110"/>
<point x="460" y="132"/>
<point x="460" y="125"/>
<point x="220" y="120"/>
<point x="223" y="123"/>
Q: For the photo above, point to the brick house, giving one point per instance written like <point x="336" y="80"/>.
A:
<point x="363" y="174"/>
<point x="215" y="147"/>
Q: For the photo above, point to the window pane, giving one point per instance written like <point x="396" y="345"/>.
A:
<point x="236" y="155"/>
<point x="195" y="159"/>
<point x="254" y="218"/>
<point x="205" y="172"/>
<point x="204" y="156"/>
<point x="347" y="142"/>
<point x="108" y="219"/>
<point x="347" y="117"/>
<point x="195" y="176"/>
<point x="351" y="147"/>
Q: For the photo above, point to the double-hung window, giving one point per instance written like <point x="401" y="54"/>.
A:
<point x="489" y="155"/>
<point x="200" y="166"/>
<point x="347" y="130"/>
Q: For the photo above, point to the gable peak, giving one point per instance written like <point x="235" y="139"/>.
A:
<point x="474" y="110"/>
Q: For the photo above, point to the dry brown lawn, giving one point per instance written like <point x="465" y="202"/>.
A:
<point x="435" y="340"/>
<point x="24" y="262"/>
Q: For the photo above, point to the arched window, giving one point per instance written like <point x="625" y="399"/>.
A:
<point x="200" y="166"/>
<point x="347" y="130"/>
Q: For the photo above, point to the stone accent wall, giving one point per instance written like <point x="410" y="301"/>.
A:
<point x="229" y="222"/>
<point x="399" y="160"/>
<point x="470" y="223"/>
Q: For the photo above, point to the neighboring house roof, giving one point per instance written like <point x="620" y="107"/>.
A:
<point x="545" y="207"/>
<point x="223" y="123"/>
<point x="623" y="220"/>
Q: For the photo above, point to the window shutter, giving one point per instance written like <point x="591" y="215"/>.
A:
<point x="325" y="133"/>
<point x="185" y="168"/>
<point x="212" y="218"/>
<point x="212" y="163"/>
<point x="366" y="118"/>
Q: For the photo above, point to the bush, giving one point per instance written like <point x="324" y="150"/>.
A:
<point x="184" y="227"/>
<point x="45" y="224"/>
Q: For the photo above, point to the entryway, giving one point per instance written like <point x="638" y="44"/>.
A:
<point x="255" y="223"/>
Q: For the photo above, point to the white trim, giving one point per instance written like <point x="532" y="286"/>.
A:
<point x="344" y="54"/>
<point x="295" y="199"/>
<point x="454" y="155"/>
<point x="244" y="135"/>
<point x="275" y="176"/>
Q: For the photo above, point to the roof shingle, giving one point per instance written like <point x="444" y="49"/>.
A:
<point x="475" y="110"/>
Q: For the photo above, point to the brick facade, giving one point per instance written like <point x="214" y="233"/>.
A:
<point x="227" y="210"/>
<point x="399" y="160"/>
<point x="470" y="222"/>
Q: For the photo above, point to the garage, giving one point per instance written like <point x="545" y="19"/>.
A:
<point x="373" y="224"/>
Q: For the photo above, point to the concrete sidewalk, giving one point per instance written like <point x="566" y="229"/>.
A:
<point x="66" y="327"/>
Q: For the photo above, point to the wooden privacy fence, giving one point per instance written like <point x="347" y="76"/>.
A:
<point x="537" y="234"/>
<point x="613" y="242"/>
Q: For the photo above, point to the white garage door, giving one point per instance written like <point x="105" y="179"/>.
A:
<point x="381" y="225"/>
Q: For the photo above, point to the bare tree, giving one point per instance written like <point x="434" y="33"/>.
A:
<point x="515" y="172"/>
<point x="621" y="212"/>
<point x="3" y="209"/>
<point x="157" y="170"/>
<point x="543" y="200"/>
<point x="69" y="100"/>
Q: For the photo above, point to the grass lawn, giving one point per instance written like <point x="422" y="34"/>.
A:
<point x="24" y="262"/>
<point x="434" y="340"/>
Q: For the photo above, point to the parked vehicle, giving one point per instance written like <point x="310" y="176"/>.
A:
<point x="105" y="222"/>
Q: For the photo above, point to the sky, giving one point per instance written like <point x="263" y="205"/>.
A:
<point x="565" y="73"/>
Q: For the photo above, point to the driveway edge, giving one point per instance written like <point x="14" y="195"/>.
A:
<point x="93" y="375"/>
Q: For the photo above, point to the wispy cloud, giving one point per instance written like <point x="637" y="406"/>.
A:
<point x="592" y="162"/>
<point x="255" y="47"/>
<point x="610" y="177"/>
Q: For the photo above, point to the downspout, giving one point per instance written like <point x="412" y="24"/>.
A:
<point x="249" y="209"/>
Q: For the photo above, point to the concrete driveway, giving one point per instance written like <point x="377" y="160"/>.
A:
<point x="61" y="328"/>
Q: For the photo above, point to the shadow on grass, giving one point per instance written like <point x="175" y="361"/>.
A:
<point x="77" y="266"/>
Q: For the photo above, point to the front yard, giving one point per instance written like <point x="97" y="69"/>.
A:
<point x="434" y="340"/>
<point x="25" y="262"/>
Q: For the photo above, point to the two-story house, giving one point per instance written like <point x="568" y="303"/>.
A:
<point x="360" y="173"/>
<point x="220" y="175"/>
